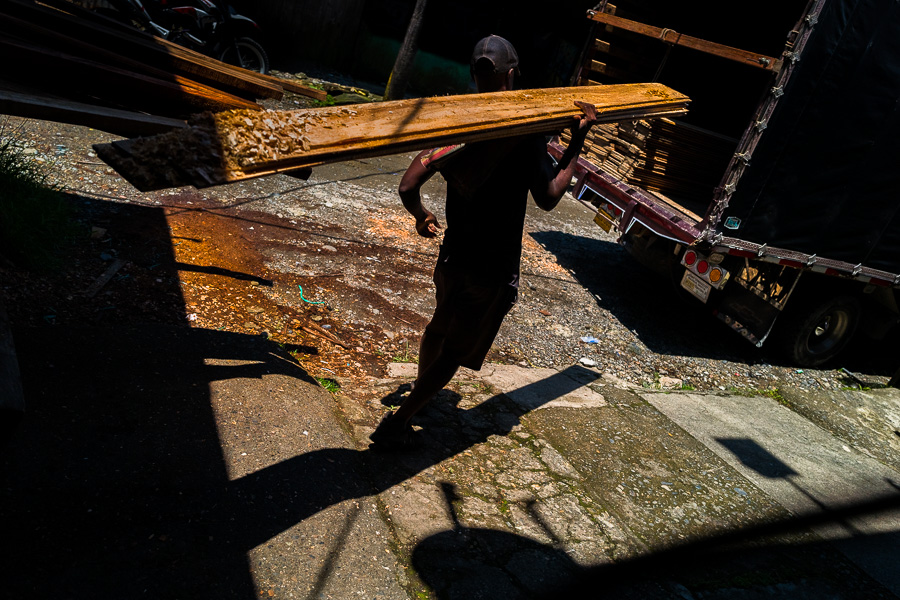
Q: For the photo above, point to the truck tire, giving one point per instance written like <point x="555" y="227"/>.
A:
<point x="817" y="329"/>
<point x="247" y="53"/>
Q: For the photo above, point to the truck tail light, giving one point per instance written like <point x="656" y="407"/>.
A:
<point x="706" y="268"/>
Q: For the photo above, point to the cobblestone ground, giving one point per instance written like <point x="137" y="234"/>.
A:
<point x="509" y="500"/>
<point x="494" y="515"/>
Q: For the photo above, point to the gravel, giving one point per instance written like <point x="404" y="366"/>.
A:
<point x="577" y="283"/>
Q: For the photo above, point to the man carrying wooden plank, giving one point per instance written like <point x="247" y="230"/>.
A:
<point x="477" y="272"/>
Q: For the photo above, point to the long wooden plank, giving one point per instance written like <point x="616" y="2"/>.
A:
<point x="201" y="66"/>
<point x="132" y="90"/>
<point x="54" y="41"/>
<point x="237" y="145"/>
<point x="119" y="122"/>
<point x="670" y="36"/>
<point x="195" y="62"/>
<point x="146" y="48"/>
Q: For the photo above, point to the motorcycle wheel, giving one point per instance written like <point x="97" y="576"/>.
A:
<point x="246" y="53"/>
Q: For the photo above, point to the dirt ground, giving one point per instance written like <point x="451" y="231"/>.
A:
<point x="331" y="269"/>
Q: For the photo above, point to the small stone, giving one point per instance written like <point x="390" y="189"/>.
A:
<point x="254" y="310"/>
<point x="329" y="248"/>
<point x="670" y="383"/>
<point x="587" y="362"/>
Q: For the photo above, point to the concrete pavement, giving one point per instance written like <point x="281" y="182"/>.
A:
<point x="220" y="469"/>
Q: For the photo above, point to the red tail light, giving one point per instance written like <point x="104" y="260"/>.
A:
<point x="702" y="267"/>
<point x="690" y="257"/>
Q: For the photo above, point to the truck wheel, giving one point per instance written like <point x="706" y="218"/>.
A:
<point x="818" y="329"/>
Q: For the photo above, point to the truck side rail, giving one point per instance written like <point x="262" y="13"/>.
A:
<point x="633" y="204"/>
<point x="808" y="262"/>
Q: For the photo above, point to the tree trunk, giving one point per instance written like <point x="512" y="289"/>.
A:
<point x="402" y="70"/>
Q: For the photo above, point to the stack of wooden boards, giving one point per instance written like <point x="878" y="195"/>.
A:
<point x="236" y="145"/>
<point x="661" y="155"/>
<point x="68" y="64"/>
<point x="667" y="157"/>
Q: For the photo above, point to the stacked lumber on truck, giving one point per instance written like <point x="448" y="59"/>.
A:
<point x="236" y="145"/>
<point x="59" y="53"/>
<point x="669" y="158"/>
<point x="661" y="155"/>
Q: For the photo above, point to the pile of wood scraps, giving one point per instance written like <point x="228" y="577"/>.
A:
<point x="69" y="64"/>
<point x="237" y="145"/>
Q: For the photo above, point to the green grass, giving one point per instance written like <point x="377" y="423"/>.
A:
<point x="329" y="384"/>
<point x="328" y="101"/>
<point x="36" y="222"/>
<point x="405" y="356"/>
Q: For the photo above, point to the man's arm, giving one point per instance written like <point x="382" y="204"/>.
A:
<point x="557" y="179"/>
<point x="410" y="185"/>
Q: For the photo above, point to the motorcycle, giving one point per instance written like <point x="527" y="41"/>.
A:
<point x="212" y="28"/>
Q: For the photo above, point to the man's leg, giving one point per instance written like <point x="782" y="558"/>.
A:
<point x="429" y="349"/>
<point x="437" y="372"/>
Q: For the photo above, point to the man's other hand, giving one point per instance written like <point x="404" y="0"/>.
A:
<point x="428" y="225"/>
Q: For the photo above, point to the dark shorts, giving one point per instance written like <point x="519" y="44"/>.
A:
<point x="469" y="313"/>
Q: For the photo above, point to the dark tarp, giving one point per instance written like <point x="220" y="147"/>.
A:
<point x="825" y="177"/>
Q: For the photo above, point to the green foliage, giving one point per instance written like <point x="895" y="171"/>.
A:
<point x="36" y="222"/>
<point x="328" y="101"/>
<point x="329" y="384"/>
<point x="405" y="356"/>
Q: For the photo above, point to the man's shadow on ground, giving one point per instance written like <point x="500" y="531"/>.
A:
<point x="118" y="486"/>
<point x="117" y="481"/>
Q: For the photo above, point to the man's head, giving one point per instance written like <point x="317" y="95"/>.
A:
<point x="494" y="63"/>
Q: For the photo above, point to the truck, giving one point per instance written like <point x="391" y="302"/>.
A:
<point x="776" y="200"/>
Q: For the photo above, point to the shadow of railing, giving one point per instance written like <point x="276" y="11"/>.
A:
<point x="777" y="559"/>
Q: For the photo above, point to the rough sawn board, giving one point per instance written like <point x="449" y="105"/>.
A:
<point x="241" y="144"/>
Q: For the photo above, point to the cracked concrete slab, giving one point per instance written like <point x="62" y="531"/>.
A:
<point x="575" y="462"/>
<point x="803" y="467"/>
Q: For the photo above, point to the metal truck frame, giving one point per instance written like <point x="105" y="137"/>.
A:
<point x="797" y="232"/>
